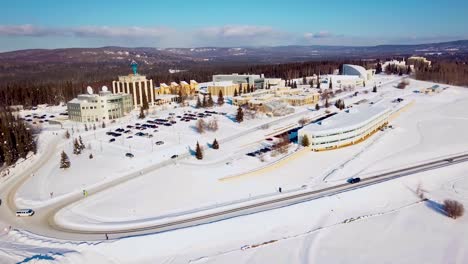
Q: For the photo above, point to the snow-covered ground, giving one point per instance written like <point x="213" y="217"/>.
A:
<point x="382" y="223"/>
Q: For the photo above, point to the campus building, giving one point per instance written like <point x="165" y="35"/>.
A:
<point x="356" y="70"/>
<point x="175" y="88"/>
<point x="99" y="107"/>
<point x="228" y="88"/>
<point x="135" y="84"/>
<point x="418" y="61"/>
<point x="293" y="97"/>
<point x="346" y="128"/>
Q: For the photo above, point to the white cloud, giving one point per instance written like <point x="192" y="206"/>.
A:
<point x="85" y="31"/>
<point x="320" y="34"/>
<point x="24" y="30"/>
<point x="124" y="32"/>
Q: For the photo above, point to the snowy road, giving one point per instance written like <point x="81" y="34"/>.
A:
<point x="43" y="222"/>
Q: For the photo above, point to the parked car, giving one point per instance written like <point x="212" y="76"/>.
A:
<point x="130" y="155"/>
<point x="130" y="137"/>
<point x="354" y="180"/>
<point x="159" y="142"/>
<point x="111" y="140"/>
<point x="24" y="212"/>
<point x="174" y="156"/>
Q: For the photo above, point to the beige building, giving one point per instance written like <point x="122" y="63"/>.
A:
<point x="228" y="88"/>
<point x="293" y="97"/>
<point x="99" y="107"/>
<point x="417" y="61"/>
<point x="136" y="85"/>
<point x="174" y="88"/>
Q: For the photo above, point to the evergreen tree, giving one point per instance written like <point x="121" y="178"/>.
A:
<point x="198" y="152"/>
<point x="85" y="127"/>
<point x="144" y="103"/>
<point x="103" y="124"/>
<point x="210" y="102"/>
<point x="94" y="126"/>
<point x="64" y="161"/>
<point x="220" y="98"/>
<point x="67" y="134"/>
<point x="181" y="98"/>
<point x="239" y="115"/>
<point x="378" y="69"/>
<point x="330" y="86"/>
<point x="374" y="90"/>
<point x="304" y="80"/>
<point x="305" y="141"/>
<point x="215" y="144"/>
<point x="318" y="83"/>
<point x="91" y="156"/>
<point x="142" y="113"/>
<point x="204" y="103"/>
<point x="236" y="93"/>
<point x="80" y="140"/>
<point x="76" y="147"/>
<point x="199" y="103"/>
<point x="317" y="107"/>
<point x="326" y="103"/>
<point x="240" y="89"/>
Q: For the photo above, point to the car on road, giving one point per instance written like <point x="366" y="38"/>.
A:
<point x="111" y="140"/>
<point x="174" y="156"/>
<point x="130" y="155"/>
<point x="353" y="180"/>
<point x="24" y="212"/>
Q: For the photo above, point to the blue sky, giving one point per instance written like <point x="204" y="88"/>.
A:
<point x="193" y="23"/>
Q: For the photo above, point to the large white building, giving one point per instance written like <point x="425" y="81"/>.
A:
<point x="345" y="128"/>
<point x="356" y="70"/>
<point x="99" y="107"/>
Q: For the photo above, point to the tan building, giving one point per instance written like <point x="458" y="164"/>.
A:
<point x="228" y="88"/>
<point x="293" y="97"/>
<point x="417" y="61"/>
<point x="174" y="88"/>
<point x="137" y="85"/>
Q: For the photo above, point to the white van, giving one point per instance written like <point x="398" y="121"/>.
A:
<point x="25" y="212"/>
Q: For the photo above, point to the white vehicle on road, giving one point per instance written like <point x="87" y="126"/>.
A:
<point x="24" y="212"/>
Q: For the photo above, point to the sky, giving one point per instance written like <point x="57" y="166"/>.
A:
<point x="27" y="24"/>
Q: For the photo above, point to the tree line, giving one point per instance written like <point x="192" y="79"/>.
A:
<point x="17" y="140"/>
<point x="454" y="73"/>
<point x="53" y="89"/>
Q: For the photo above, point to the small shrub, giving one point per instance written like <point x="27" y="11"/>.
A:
<point x="453" y="209"/>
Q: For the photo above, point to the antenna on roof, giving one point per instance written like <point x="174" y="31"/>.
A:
<point x="89" y="89"/>
<point x="104" y="88"/>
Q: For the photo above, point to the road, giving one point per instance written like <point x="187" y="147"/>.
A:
<point x="43" y="222"/>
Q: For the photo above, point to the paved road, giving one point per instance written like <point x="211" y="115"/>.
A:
<point x="282" y="200"/>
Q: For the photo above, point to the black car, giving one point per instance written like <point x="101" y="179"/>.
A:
<point x="112" y="140"/>
<point x="354" y="180"/>
<point x="174" y="156"/>
<point x="130" y="155"/>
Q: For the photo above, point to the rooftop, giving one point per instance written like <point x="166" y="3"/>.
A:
<point x="349" y="119"/>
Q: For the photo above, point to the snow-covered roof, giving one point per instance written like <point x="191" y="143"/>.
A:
<point x="349" y="69"/>
<point x="347" y="120"/>
<point x="183" y="83"/>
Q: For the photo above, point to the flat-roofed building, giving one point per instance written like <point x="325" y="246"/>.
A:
<point x="348" y="127"/>
<point x="99" y="107"/>
<point x="418" y="61"/>
<point x="228" y="88"/>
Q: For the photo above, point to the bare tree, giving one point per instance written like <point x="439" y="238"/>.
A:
<point x="200" y="126"/>
<point x="453" y="209"/>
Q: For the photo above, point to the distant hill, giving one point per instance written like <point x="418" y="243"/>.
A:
<point x="107" y="62"/>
